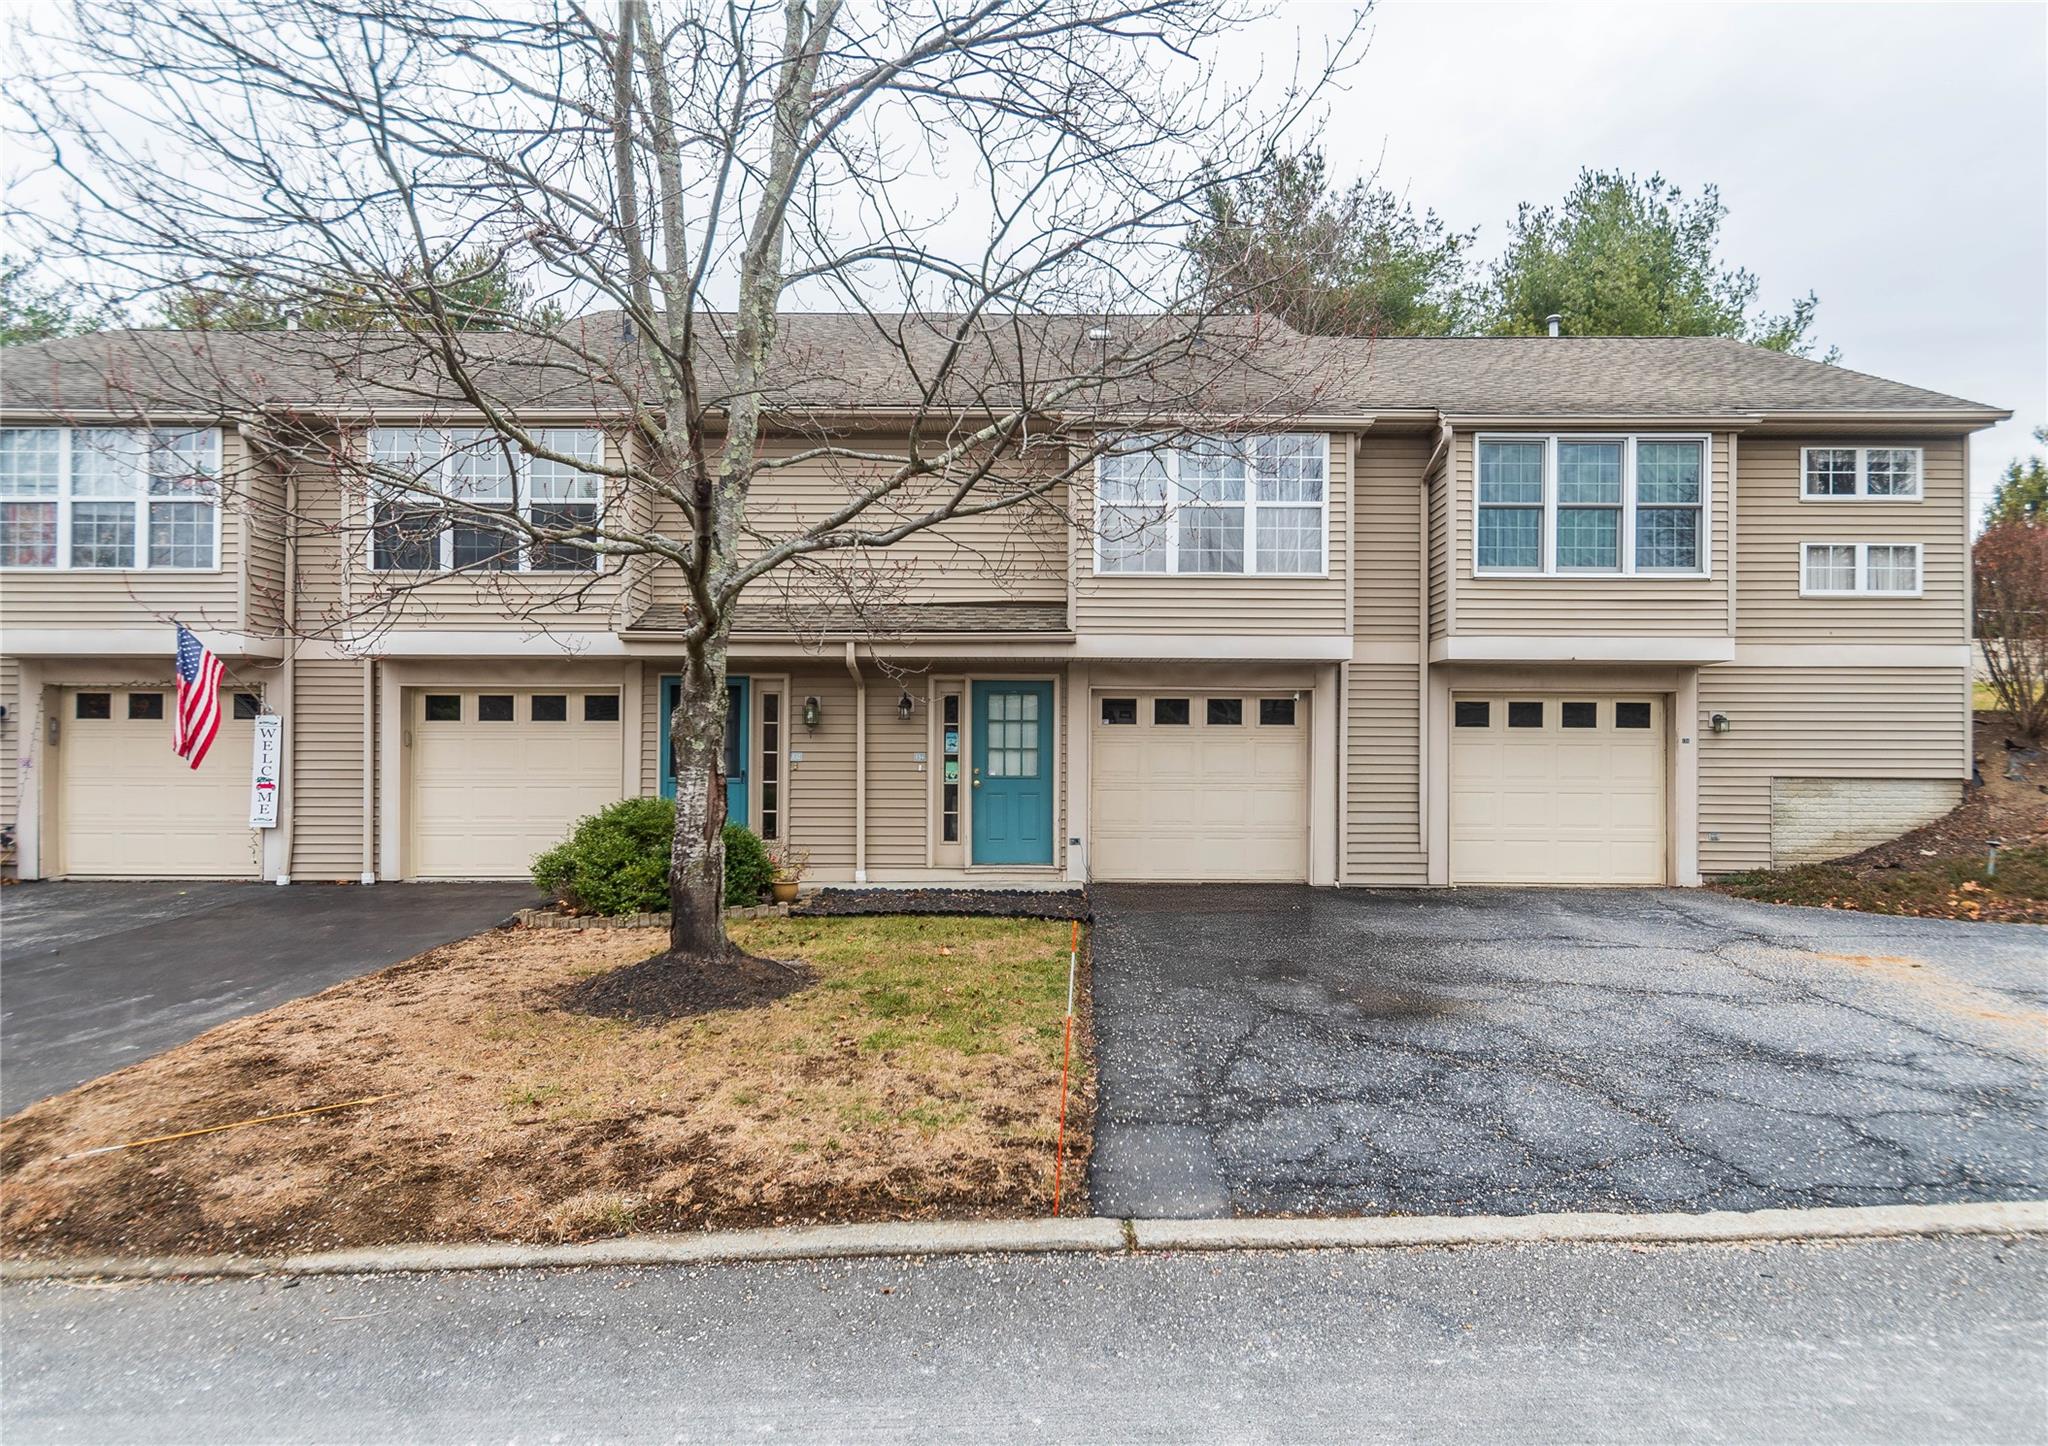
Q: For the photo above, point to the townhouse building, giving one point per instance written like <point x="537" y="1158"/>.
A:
<point x="1498" y="611"/>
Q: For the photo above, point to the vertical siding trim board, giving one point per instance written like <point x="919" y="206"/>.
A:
<point x="860" y="767"/>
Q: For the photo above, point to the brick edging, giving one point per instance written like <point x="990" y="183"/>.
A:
<point x="554" y="919"/>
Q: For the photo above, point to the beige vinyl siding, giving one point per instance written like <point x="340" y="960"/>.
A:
<point x="821" y="812"/>
<point x="1775" y="521"/>
<point x="897" y="813"/>
<point x="1207" y="604"/>
<point x="1439" y="549"/>
<point x="1815" y="723"/>
<point x="651" y="725"/>
<point x="335" y="580"/>
<point x="1382" y="833"/>
<point x="1592" y="605"/>
<point x="1386" y="531"/>
<point x="326" y="753"/>
<point x="260" y="518"/>
<point x="131" y="598"/>
<point x="10" y="742"/>
<point x="1012" y="554"/>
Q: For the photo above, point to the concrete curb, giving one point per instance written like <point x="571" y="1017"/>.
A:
<point x="1093" y="1236"/>
<point x="1850" y="1223"/>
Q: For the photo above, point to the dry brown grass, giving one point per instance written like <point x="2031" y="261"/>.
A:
<point x="917" y="1078"/>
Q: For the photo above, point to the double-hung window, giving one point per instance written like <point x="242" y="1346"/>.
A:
<point x="1565" y="505"/>
<point x="417" y="472"/>
<point x="110" y="498"/>
<point x="1834" y="473"/>
<point x="1241" y="505"/>
<point x="1859" y="569"/>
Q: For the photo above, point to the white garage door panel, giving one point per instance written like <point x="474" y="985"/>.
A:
<point x="1555" y="805"/>
<point x="487" y="796"/>
<point x="129" y="808"/>
<point x="1198" y="801"/>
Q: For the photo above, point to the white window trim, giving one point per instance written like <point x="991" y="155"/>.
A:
<point x="522" y="508"/>
<point x="1175" y="495"/>
<point x="1918" y="494"/>
<point x="140" y="501"/>
<point x="1548" y="544"/>
<point x="1862" y="588"/>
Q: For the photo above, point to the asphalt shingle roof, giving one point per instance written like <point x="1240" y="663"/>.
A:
<point x="846" y="361"/>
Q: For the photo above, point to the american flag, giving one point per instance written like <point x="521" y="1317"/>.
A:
<point x="198" y="699"/>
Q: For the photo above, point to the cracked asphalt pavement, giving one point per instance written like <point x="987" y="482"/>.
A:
<point x="1282" y="1050"/>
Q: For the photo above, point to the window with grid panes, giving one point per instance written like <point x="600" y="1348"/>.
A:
<point x="109" y="497"/>
<point x="1013" y="735"/>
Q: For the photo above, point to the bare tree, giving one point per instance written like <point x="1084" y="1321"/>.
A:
<point x="975" y="186"/>
<point x="2010" y="564"/>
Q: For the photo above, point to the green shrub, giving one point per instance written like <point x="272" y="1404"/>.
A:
<point x="616" y="861"/>
<point x="747" y="869"/>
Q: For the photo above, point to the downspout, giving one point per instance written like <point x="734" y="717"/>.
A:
<point x="288" y="764"/>
<point x="1422" y="717"/>
<point x="860" y="766"/>
<point x="369" y="771"/>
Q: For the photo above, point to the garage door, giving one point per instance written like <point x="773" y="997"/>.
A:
<point x="1199" y="786"/>
<point x="129" y="808"/>
<point x="1557" y="789"/>
<point x="498" y="775"/>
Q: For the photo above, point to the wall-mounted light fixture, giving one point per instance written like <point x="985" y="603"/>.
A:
<point x="905" y="706"/>
<point x="813" y="712"/>
<point x="1719" y="723"/>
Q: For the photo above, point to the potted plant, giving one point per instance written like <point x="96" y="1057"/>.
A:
<point x="790" y="862"/>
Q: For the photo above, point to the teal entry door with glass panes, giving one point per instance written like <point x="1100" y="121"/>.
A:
<point x="1011" y="774"/>
<point x="736" y="700"/>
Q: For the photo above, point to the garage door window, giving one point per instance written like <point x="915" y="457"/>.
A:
<point x="1580" y="715"/>
<point x="94" y="706"/>
<point x="1276" y="712"/>
<point x="145" y="706"/>
<point x="551" y="707"/>
<point x="1172" y="712"/>
<point x="600" y="707"/>
<point x="444" y="708"/>
<point x="1226" y="712"/>
<point x="1631" y="715"/>
<point x="1525" y="715"/>
<point x="1120" y="712"/>
<point x="494" y="708"/>
<point x="1477" y="714"/>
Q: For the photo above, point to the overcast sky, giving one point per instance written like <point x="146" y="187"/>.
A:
<point x="1892" y="158"/>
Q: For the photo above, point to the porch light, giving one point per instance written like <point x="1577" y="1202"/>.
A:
<point x="813" y="711"/>
<point x="1719" y="723"/>
<point x="905" y="705"/>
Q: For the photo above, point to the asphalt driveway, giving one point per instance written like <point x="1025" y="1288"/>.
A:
<point x="94" y="976"/>
<point x="1278" y="1050"/>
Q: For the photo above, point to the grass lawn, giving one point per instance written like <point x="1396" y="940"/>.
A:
<point x="1950" y="888"/>
<point x="917" y="1078"/>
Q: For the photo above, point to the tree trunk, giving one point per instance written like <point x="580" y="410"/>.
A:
<point x="696" y="869"/>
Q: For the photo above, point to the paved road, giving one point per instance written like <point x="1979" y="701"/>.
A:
<point x="94" y="976"/>
<point x="1286" y="1050"/>
<point x="1876" y="1341"/>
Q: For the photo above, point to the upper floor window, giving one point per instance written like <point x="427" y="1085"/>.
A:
<point x="1832" y="472"/>
<point x="1859" y="569"/>
<point x="1243" y="505"/>
<point x="1592" y="504"/>
<point x="418" y="470"/>
<point x="110" y="497"/>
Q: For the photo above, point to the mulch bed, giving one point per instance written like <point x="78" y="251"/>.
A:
<point x="668" y="987"/>
<point x="982" y="903"/>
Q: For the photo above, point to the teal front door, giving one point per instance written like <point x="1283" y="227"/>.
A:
<point x="1012" y="773"/>
<point x="735" y="745"/>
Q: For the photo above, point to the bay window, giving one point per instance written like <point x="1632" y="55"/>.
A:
<point x="1245" y="505"/>
<point x="418" y="471"/>
<point x="109" y="498"/>
<point x="1566" y="505"/>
